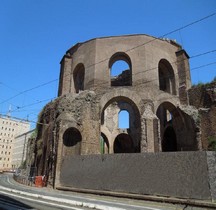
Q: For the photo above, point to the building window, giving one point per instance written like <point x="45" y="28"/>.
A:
<point x="72" y="141"/>
<point x="123" y="119"/>
<point x="166" y="77"/>
<point x="78" y="77"/>
<point x="120" y="70"/>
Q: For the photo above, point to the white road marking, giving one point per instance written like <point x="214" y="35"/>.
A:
<point x="79" y="203"/>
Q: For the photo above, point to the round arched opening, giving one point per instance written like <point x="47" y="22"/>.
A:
<point x="78" y="77"/>
<point x="169" y="142"/>
<point x="120" y="70"/>
<point x="123" y="144"/>
<point x="71" y="137"/>
<point x="166" y="77"/>
<point x="123" y="119"/>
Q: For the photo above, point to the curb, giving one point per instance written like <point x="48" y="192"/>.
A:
<point x="190" y="202"/>
<point x="61" y="200"/>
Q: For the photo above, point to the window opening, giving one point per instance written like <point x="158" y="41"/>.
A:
<point x="123" y="119"/>
<point x="72" y="141"/>
<point x="78" y="77"/>
<point x="166" y="77"/>
<point x="120" y="73"/>
<point x="71" y="137"/>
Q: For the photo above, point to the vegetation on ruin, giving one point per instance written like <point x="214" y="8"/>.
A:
<point x="208" y="84"/>
<point x="212" y="143"/>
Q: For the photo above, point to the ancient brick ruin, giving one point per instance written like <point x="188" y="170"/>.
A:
<point x="153" y="90"/>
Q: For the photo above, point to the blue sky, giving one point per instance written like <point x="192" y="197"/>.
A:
<point x="35" y="34"/>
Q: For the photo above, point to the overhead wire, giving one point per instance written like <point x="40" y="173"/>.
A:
<point x="202" y="66"/>
<point x="183" y="27"/>
<point x="173" y="31"/>
<point x="24" y="120"/>
<point x="194" y="56"/>
<point x="198" y="67"/>
<point x="28" y="90"/>
<point x="167" y="98"/>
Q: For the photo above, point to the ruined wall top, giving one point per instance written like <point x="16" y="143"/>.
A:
<point x="150" y="61"/>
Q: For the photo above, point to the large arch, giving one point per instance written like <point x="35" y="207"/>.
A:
<point x="124" y="76"/>
<point x="171" y="127"/>
<point x="122" y="102"/>
<point x="72" y="141"/>
<point x="166" y="77"/>
<point x="125" y="94"/>
<point x="110" y="117"/>
<point x="78" y="77"/>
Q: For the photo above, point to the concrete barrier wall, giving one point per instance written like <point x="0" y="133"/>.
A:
<point x="176" y="174"/>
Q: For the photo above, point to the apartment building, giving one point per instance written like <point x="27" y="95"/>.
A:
<point x="20" y="149"/>
<point x="9" y="129"/>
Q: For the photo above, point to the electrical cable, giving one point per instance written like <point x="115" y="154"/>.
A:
<point x="171" y="97"/>
<point x="198" y="67"/>
<point x="183" y="27"/>
<point x="41" y="85"/>
<point x="28" y="90"/>
<point x="24" y="120"/>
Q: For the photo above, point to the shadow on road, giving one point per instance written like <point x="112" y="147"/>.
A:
<point x="8" y="203"/>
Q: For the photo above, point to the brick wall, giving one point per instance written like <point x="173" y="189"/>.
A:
<point x="203" y="97"/>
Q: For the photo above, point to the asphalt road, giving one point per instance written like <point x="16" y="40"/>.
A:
<point x="15" y="202"/>
<point x="16" y="196"/>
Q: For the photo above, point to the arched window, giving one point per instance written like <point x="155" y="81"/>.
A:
<point x="78" y="77"/>
<point x="120" y="70"/>
<point x="72" y="140"/>
<point x="123" y="119"/>
<point x="166" y="77"/>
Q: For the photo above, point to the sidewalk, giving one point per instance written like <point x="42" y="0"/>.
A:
<point x="98" y="199"/>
